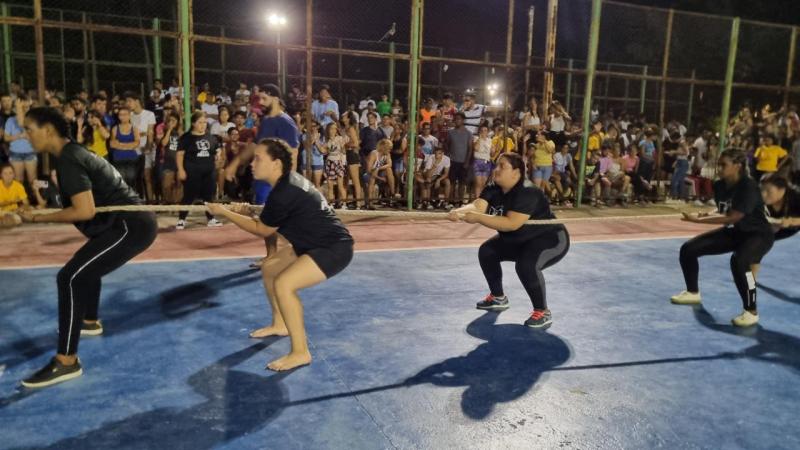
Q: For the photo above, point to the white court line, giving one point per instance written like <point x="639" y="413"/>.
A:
<point x="374" y="250"/>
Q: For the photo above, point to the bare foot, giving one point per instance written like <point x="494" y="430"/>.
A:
<point x="290" y="361"/>
<point x="271" y="330"/>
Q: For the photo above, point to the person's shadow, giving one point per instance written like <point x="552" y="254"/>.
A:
<point x="502" y="369"/>
<point x="236" y="403"/>
<point x="778" y="294"/>
<point x="125" y="315"/>
<point x="770" y="346"/>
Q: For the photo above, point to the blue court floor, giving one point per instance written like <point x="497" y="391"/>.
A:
<point x="403" y="360"/>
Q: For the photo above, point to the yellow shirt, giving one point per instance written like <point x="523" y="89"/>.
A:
<point x="595" y="139"/>
<point x="14" y="193"/>
<point x="768" y="158"/>
<point x="497" y="143"/>
<point x="98" y="146"/>
<point x="543" y="155"/>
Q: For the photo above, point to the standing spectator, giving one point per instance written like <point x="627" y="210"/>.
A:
<point x="348" y="128"/>
<point x="6" y="111"/>
<point x="12" y="193"/>
<point x="428" y="142"/>
<point x="242" y="93"/>
<point x="221" y="127"/>
<point x="124" y="145"/>
<point x="197" y="152"/>
<point x="447" y="116"/>
<point x="364" y="120"/>
<point x="175" y="89"/>
<point x="397" y="109"/>
<point x="366" y="102"/>
<point x="502" y="143"/>
<point x="223" y="98"/>
<point x="210" y="107"/>
<point x="313" y="173"/>
<point x="334" y="147"/>
<point x="167" y="135"/>
<point x="459" y="149"/>
<point x="564" y="175"/>
<point x="158" y="93"/>
<point x="21" y="154"/>
<point x="681" y="169"/>
<point x="145" y="122"/>
<point x="93" y="134"/>
<point x="387" y="126"/>
<point x="473" y="113"/>
<point x="557" y="123"/>
<point x="399" y="152"/>
<point x="768" y="157"/>
<point x="543" y="161"/>
<point x="370" y="135"/>
<point x="384" y="107"/>
<point x="325" y="110"/>
<point x="427" y="113"/>
<point x="100" y="104"/>
<point x="482" y="166"/>
<point x="531" y="122"/>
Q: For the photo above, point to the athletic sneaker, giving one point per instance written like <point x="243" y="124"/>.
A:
<point x="745" y="319"/>
<point x="492" y="303"/>
<point x="54" y="372"/>
<point x="711" y="202"/>
<point x="687" y="298"/>
<point x="699" y="202"/>
<point x="539" y="319"/>
<point x="213" y="223"/>
<point x="91" y="329"/>
<point x="180" y="225"/>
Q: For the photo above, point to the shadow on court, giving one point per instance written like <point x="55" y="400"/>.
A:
<point x="124" y="315"/>
<point x="778" y="294"/>
<point x="236" y="403"/>
<point x="771" y="346"/>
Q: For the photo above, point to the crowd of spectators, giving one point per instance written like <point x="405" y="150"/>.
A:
<point x="357" y="154"/>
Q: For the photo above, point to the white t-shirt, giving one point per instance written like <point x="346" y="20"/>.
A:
<point x="220" y="130"/>
<point x="483" y="148"/>
<point x="243" y="93"/>
<point x="210" y="109"/>
<point x="702" y="147"/>
<point x="362" y="105"/>
<point x="557" y="124"/>
<point x="142" y="121"/>
<point x="430" y="144"/>
<point x="440" y="167"/>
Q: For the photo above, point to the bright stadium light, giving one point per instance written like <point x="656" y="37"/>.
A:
<point x="276" y="19"/>
<point x="496" y="102"/>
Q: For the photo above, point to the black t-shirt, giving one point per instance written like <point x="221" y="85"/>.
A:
<point x="80" y="170"/>
<point x="525" y="199"/>
<point x="791" y="209"/>
<point x="302" y="215"/>
<point x="744" y="197"/>
<point x="199" y="150"/>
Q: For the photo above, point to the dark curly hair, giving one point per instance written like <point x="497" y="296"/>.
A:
<point x="45" y="115"/>
<point x="278" y="149"/>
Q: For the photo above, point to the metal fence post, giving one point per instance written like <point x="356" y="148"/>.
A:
<point x="726" y="97"/>
<point x="531" y="11"/>
<point x="413" y="80"/>
<point x="663" y="93"/>
<point x="186" y="72"/>
<point x="591" y="66"/>
<point x="691" y="103"/>
<point x="8" y="63"/>
<point x="643" y="91"/>
<point x="790" y="67"/>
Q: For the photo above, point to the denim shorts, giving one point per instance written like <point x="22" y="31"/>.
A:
<point x="543" y="173"/>
<point x="21" y="157"/>
<point x="482" y="168"/>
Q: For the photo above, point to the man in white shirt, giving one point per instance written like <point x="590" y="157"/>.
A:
<point x="364" y="104"/>
<point x="473" y="113"/>
<point x="435" y="176"/>
<point x="145" y="122"/>
<point x="243" y="92"/>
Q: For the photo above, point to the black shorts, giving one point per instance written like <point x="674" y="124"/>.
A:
<point x="353" y="158"/>
<point x="331" y="260"/>
<point x="458" y="172"/>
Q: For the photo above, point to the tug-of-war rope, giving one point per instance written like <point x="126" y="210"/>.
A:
<point x="11" y="219"/>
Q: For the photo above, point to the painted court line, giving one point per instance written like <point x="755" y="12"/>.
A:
<point x="373" y="250"/>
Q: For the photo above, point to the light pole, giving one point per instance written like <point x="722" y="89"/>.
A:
<point x="278" y="21"/>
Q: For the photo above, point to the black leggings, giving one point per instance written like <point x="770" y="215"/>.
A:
<point x="747" y="248"/>
<point x="128" y="168"/>
<point x="79" y="280"/>
<point x="531" y="257"/>
<point x="201" y="183"/>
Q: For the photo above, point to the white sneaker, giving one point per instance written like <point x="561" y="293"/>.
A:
<point x="180" y="225"/>
<point x="686" y="298"/>
<point x="745" y="319"/>
<point x="711" y="203"/>
<point x="214" y="223"/>
<point x="699" y="203"/>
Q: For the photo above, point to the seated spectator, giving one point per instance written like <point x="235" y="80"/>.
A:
<point x="564" y="175"/>
<point x="379" y="171"/>
<point x="47" y="193"/>
<point x="428" y="142"/>
<point x="434" y="176"/>
<point x="620" y="181"/>
<point x="12" y="193"/>
<point x="500" y="140"/>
